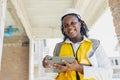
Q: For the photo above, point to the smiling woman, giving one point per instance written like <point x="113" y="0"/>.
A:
<point x="71" y="19"/>
<point x="87" y="52"/>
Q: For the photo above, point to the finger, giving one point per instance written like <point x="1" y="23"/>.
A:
<point x="65" y="62"/>
<point x="45" y="62"/>
<point x="59" y="67"/>
<point x="45" y="58"/>
<point x="75" y="62"/>
<point x="47" y="65"/>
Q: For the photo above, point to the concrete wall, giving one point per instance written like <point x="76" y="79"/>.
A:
<point x="115" y="9"/>
<point x="15" y="63"/>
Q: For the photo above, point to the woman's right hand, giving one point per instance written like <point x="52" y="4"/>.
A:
<point x="45" y="62"/>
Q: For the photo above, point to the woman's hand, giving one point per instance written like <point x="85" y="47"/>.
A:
<point x="45" y="62"/>
<point x="69" y="67"/>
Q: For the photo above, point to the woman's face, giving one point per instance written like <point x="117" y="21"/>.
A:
<point x="71" y="26"/>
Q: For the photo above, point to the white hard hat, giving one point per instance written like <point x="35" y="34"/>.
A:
<point x="70" y="11"/>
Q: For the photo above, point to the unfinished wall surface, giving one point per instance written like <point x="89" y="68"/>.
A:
<point x="115" y="9"/>
<point x="15" y="63"/>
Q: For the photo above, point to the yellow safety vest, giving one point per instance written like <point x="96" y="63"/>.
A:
<point x="81" y="56"/>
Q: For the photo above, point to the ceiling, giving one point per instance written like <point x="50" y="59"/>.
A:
<point x="39" y="19"/>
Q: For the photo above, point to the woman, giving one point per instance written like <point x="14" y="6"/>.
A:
<point x="90" y="63"/>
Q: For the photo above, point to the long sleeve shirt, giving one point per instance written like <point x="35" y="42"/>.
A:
<point x="101" y="68"/>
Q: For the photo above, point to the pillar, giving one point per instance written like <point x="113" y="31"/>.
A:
<point x="3" y="4"/>
<point x="115" y="9"/>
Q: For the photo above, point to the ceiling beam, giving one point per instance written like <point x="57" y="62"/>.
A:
<point x="89" y="10"/>
<point x="22" y="15"/>
<point x="79" y="4"/>
<point x="15" y="17"/>
<point x="75" y="3"/>
<point x="97" y="10"/>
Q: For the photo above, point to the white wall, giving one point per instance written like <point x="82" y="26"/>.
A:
<point x="104" y="30"/>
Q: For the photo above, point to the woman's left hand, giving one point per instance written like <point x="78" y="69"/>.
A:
<point x="69" y="67"/>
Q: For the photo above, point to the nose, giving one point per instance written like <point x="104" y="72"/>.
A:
<point x="70" y="26"/>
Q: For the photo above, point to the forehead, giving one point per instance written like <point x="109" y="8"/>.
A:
<point x="70" y="17"/>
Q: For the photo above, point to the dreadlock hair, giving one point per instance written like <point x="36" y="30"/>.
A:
<point x="84" y="29"/>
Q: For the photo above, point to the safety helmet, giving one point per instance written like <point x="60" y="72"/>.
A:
<point x="70" y="11"/>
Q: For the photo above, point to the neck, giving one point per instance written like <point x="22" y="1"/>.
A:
<point x="78" y="39"/>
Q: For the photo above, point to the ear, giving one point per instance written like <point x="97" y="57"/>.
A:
<point x="80" y="22"/>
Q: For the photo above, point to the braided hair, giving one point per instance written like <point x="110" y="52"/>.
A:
<point x="84" y="29"/>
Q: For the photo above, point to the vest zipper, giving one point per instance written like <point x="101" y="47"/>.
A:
<point x="75" y="55"/>
<point x="73" y="50"/>
<point x="77" y="76"/>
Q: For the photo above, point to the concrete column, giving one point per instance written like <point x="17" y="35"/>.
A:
<point x="115" y="9"/>
<point x="3" y="4"/>
<point x="31" y="59"/>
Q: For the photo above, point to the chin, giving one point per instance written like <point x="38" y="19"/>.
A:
<point x="72" y="37"/>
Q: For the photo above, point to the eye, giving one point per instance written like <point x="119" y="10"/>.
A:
<point x="73" y="23"/>
<point x="65" y="25"/>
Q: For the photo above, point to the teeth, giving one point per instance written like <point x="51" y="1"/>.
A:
<point x="71" y="31"/>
